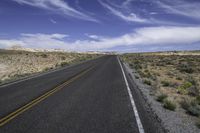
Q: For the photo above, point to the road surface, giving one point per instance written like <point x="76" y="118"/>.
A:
<point x="96" y="96"/>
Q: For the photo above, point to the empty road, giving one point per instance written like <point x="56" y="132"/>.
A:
<point x="96" y="96"/>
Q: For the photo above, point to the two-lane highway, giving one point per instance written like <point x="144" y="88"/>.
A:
<point x="92" y="97"/>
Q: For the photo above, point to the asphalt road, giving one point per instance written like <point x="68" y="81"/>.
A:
<point x="90" y="97"/>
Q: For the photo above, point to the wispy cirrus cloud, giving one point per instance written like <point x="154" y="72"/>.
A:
<point x="52" y="21"/>
<point x="152" y="12"/>
<point x="58" y="6"/>
<point x="181" y="7"/>
<point x="129" y="17"/>
<point x="149" y="36"/>
<point x="127" y="2"/>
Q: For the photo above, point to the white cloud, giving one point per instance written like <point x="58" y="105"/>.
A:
<point x="131" y="17"/>
<point x="45" y="36"/>
<point x="6" y="43"/>
<point x="58" y="6"/>
<point x="153" y="13"/>
<point x="44" y="41"/>
<point x="92" y="36"/>
<point x="142" y="36"/>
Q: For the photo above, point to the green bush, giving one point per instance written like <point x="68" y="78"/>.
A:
<point x="161" y="98"/>
<point x="183" y="88"/>
<point x="169" y="105"/>
<point x="187" y="85"/>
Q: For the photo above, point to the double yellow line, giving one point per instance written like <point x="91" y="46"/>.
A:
<point x="22" y="109"/>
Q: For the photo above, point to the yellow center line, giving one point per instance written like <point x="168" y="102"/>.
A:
<point x="22" y="109"/>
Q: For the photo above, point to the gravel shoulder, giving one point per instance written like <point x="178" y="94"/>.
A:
<point x="173" y="121"/>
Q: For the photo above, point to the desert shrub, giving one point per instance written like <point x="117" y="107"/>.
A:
<point x="131" y="65"/>
<point x="44" y="55"/>
<point x="165" y="83"/>
<point x="142" y="74"/>
<point x="169" y="105"/>
<point x="193" y="91"/>
<point x="63" y="58"/>
<point x="137" y="77"/>
<point x="147" y="82"/>
<point x="136" y="62"/>
<point x="194" y="110"/>
<point x="183" y="88"/>
<point x="64" y="64"/>
<point x="148" y="75"/>
<point x="198" y="123"/>
<point x="158" y="74"/>
<point x="137" y="66"/>
<point x="191" y="80"/>
<point x="191" y="107"/>
<point x="57" y="65"/>
<point x="198" y="99"/>
<point x="185" y="104"/>
<point x="168" y="62"/>
<point x="161" y="98"/>
<point x="170" y="74"/>
<point x="154" y="77"/>
<point x="185" y="68"/>
<point x="178" y="78"/>
<point x="47" y="68"/>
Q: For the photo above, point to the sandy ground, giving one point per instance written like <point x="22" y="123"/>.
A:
<point x="19" y="64"/>
<point x="3" y="70"/>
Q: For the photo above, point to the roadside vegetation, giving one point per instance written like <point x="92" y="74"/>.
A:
<point x="15" y="64"/>
<point x="173" y="76"/>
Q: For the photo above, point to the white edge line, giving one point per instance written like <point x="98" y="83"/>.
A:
<point x="139" y="123"/>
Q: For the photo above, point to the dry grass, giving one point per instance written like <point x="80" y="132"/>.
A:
<point x="175" y="74"/>
<point x="17" y="64"/>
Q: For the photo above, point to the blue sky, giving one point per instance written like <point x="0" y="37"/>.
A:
<point x="103" y="25"/>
